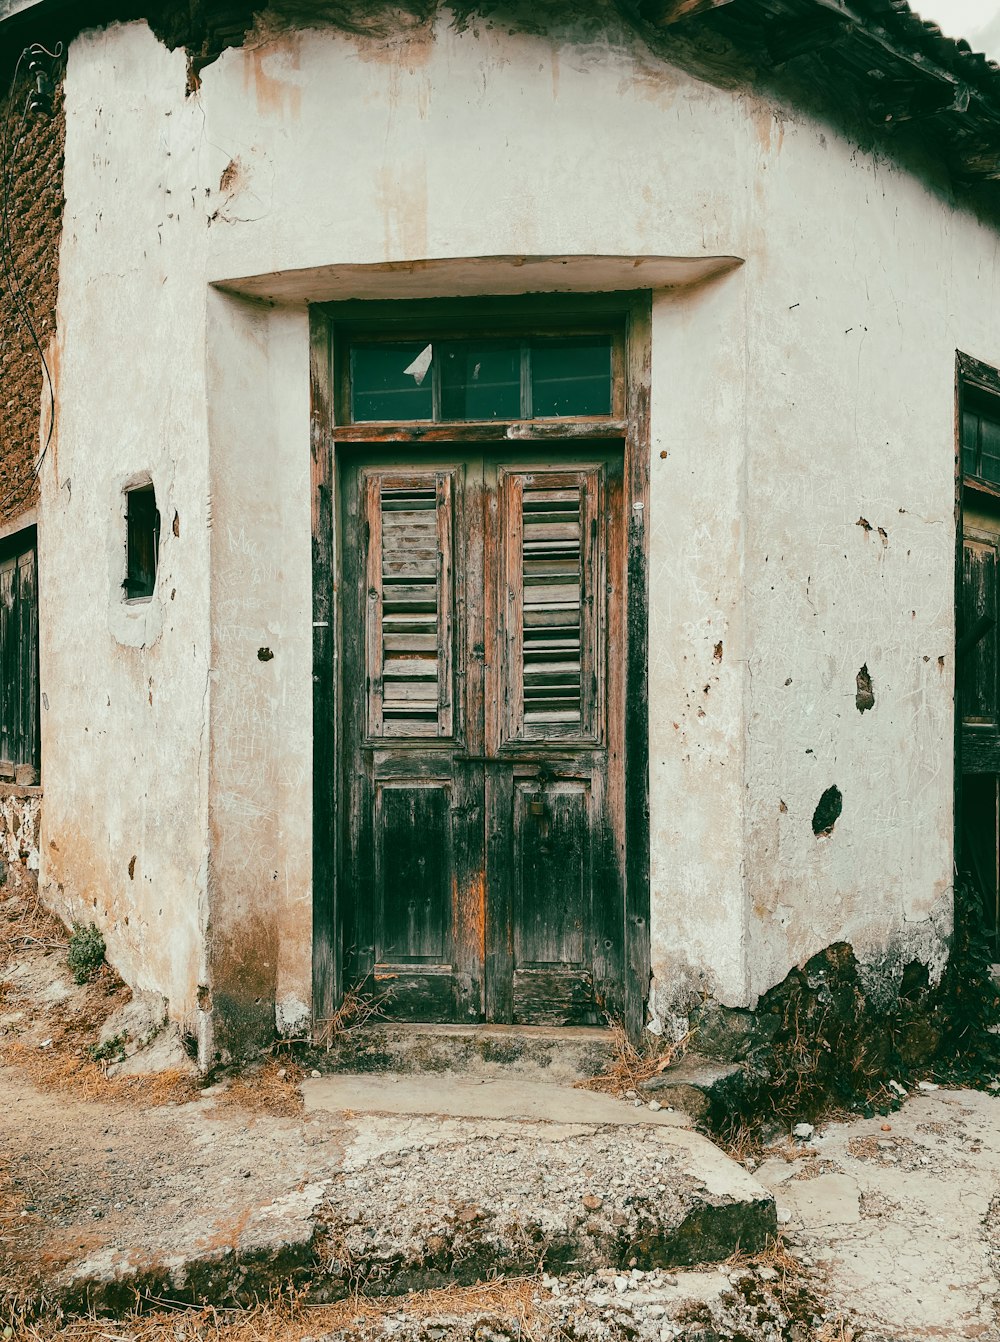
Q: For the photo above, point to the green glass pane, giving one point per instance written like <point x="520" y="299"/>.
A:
<point x="970" y="431"/>
<point x="480" y="381"/>
<point x="392" y="381"/>
<point x="571" y="377"/>
<point x="990" y="464"/>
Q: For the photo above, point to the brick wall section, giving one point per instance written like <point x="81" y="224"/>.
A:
<point x="35" y="213"/>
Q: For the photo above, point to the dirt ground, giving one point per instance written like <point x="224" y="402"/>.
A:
<point x="889" y="1227"/>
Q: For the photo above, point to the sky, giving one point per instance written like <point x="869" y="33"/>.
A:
<point x="978" y="21"/>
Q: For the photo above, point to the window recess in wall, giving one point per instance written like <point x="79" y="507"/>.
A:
<point x="142" y="543"/>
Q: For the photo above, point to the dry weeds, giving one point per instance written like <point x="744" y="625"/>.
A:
<point x="630" y="1066"/>
<point x="743" y="1144"/>
<point x="60" y="1069"/>
<point x="63" y="1064"/>
<point x="774" y="1255"/>
<point x="270" y="1088"/>
<point x="356" y="1010"/>
<point x="836" y="1330"/>
<point x="284" y="1318"/>
<point x="24" y="923"/>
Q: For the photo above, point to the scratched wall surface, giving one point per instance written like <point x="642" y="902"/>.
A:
<point x="808" y="390"/>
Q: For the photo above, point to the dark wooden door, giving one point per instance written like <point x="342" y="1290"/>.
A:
<point x="19" y="735"/>
<point x="979" y="700"/>
<point x="483" y="826"/>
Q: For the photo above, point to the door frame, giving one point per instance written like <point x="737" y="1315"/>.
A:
<point x="327" y="322"/>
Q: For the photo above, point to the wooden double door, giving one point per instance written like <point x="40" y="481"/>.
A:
<point x="482" y="691"/>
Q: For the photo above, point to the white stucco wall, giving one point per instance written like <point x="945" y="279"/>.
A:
<point x="809" y="388"/>
<point x="124" y="688"/>
<point x="260" y="802"/>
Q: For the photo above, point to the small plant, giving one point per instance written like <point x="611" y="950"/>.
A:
<point x="112" y="1050"/>
<point x="86" y="952"/>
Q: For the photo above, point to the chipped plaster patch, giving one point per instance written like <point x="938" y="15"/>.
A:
<point x="291" y="1017"/>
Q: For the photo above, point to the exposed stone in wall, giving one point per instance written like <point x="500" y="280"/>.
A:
<point x="20" y="812"/>
<point x="836" y="1033"/>
<point x="34" y="211"/>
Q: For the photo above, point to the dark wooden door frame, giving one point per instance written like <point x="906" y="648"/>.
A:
<point x="634" y="309"/>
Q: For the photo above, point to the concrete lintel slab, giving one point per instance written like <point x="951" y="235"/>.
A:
<point x="467" y="276"/>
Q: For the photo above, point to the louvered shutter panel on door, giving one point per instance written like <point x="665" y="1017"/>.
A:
<point x="553" y="626"/>
<point x="409" y="604"/>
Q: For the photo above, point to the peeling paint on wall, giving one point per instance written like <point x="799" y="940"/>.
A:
<point x="20" y="811"/>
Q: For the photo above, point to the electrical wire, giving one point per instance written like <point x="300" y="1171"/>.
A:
<point x="8" y="154"/>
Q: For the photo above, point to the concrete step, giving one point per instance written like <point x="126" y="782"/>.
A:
<point x="558" y="1054"/>
<point x="403" y="1182"/>
<point x="692" y="1084"/>
<point x="488" y="1179"/>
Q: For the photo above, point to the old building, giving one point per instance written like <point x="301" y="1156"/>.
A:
<point x="497" y="530"/>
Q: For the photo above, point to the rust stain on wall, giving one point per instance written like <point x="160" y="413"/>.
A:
<point x="275" y="96"/>
<point x="401" y="196"/>
<point x="244" y="958"/>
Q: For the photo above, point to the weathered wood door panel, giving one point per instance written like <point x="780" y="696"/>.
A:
<point x="18" y="663"/>
<point x="978" y="666"/>
<point x="483" y="850"/>
<point x="978" y="669"/>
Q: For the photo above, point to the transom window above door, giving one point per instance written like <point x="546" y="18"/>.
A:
<point x="482" y="378"/>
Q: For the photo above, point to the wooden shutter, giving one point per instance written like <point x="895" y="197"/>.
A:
<point x="409" y="604"/>
<point x="18" y="663"/>
<point x="9" y="677"/>
<point x="27" y="639"/>
<point x="553" y="563"/>
<point x="979" y="598"/>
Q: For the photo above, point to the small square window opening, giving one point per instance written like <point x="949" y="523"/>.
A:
<point x="142" y="526"/>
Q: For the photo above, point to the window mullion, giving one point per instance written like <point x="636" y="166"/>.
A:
<point x="437" y="365"/>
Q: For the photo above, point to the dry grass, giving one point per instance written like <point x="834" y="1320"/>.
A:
<point x="775" y="1253"/>
<point x="270" y="1088"/>
<point x="63" y="1065"/>
<point x="11" y="1199"/>
<point x="836" y="1330"/>
<point x="743" y="1143"/>
<point x="25" y="923"/>
<point x="60" y="1069"/>
<point x="356" y="1010"/>
<point x="630" y="1066"/>
<point x="789" y="1286"/>
<point x="283" y="1318"/>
